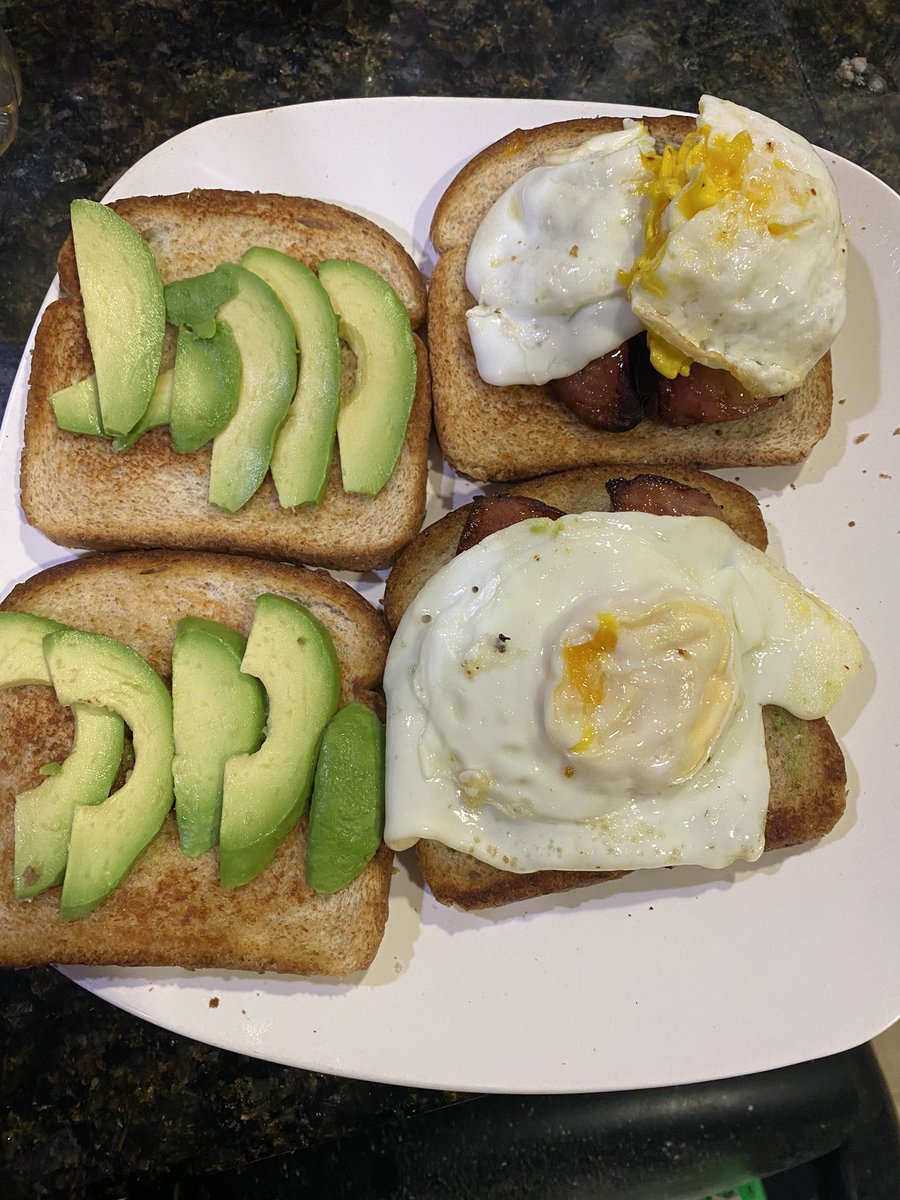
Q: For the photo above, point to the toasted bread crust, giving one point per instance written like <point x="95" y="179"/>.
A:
<point x="80" y="492"/>
<point x="274" y="923"/>
<point x="504" y="433"/>
<point x="806" y="767"/>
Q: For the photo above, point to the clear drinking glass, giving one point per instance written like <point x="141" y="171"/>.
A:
<point x="10" y="93"/>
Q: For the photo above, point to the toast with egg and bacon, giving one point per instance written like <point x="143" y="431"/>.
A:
<point x="806" y="766"/>
<point x="612" y="407"/>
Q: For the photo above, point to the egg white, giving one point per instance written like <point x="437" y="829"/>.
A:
<point x="474" y="761"/>
<point x="545" y="263"/>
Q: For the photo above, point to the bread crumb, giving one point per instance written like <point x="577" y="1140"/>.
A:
<point x="860" y="437"/>
<point x="214" y="1002"/>
<point x="851" y="524"/>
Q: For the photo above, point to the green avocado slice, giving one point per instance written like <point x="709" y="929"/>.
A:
<point x="374" y="415"/>
<point x="44" y="815"/>
<point x="265" y="339"/>
<point x="265" y="793"/>
<point x="124" y="311"/>
<point x="205" y="387"/>
<point x="106" y="839"/>
<point x="346" y="812"/>
<point x="301" y="460"/>
<point x="76" y="409"/>
<point x="218" y="711"/>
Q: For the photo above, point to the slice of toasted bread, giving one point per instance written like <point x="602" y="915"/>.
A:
<point x="80" y="492"/>
<point x="501" y="433"/>
<point x="170" y="909"/>
<point x="806" y="765"/>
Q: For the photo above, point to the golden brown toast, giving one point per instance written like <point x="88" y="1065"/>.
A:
<point x="170" y="909"/>
<point x="503" y="433"/>
<point x="806" y="765"/>
<point x="80" y="492"/>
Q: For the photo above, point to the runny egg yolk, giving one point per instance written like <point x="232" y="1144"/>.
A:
<point x="655" y="685"/>
<point x="704" y="169"/>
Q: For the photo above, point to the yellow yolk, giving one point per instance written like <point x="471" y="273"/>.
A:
<point x="700" y="172"/>
<point x="583" y="668"/>
<point x="662" y="676"/>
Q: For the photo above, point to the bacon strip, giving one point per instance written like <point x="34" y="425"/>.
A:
<point x="489" y="514"/>
<point x="660" y="496"/>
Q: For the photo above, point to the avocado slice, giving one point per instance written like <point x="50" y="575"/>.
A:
<point x="265" y="339"/>
<point x="301" y="460"/>
<point x="265" y="793"/>
<point x="43" y="815"/>
<point x="374" y="415"/>
<point x="76" y="409"/>
<point x="22" y="648"/>
<point x="157" y="413"/>
<point x="346" y="813"/>
<point x="205" y="387"/>
<point x="124" y="311"/>
<point x="217" y="712"/>
<point x="106" y="839"/>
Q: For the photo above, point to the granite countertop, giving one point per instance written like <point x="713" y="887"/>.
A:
<point x="98" y="1101"/>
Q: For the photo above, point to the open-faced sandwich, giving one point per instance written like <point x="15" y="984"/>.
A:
<point x="230" y="371"/>
<point x="663" y="290"/>
<point x="601" y="673"/>
<point x="191" y="766"/>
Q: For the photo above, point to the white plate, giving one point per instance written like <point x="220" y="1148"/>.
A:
<point x="664" y="978"/>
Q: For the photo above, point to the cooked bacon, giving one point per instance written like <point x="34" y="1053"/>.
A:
<point x="603" y="394"/>
<point x="489" y="514"/>
<point x="706" y="396"/>
<point x="660" y="496"/>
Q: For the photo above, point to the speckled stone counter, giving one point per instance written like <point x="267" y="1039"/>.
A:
<point x="97" y="1102"/>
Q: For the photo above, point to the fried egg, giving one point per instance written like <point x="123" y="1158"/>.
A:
<point x="587" y="694"/>
<point x="547" y="265"/>
<point x="744" y="260"/>
<point x="729" y="251"/>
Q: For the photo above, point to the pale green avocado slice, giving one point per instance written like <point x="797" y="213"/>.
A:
<point x="76" y="409"/>
<point x="217" y="712"/>
<point x="301" y="460"/>
<point x="124" y="311"/>
<point x="43" y="815"/>
<point x="107" y="838"/>
<point x="346" y="812"/>
<point x="265" y="793"/>
<point x="22" y="648"/>
<point x="374" y="415"/>
<point x="265" y="339"/>
<point x="205" y="387"/>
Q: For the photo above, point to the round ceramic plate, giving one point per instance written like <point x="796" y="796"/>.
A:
<point x="666" y="977"/>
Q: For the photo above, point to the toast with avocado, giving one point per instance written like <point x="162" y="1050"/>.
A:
<point x="608" y="411"/>
<point x="266" y="367"/>
<point x="180" y="896"/>
<point x="806" y="765"/>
